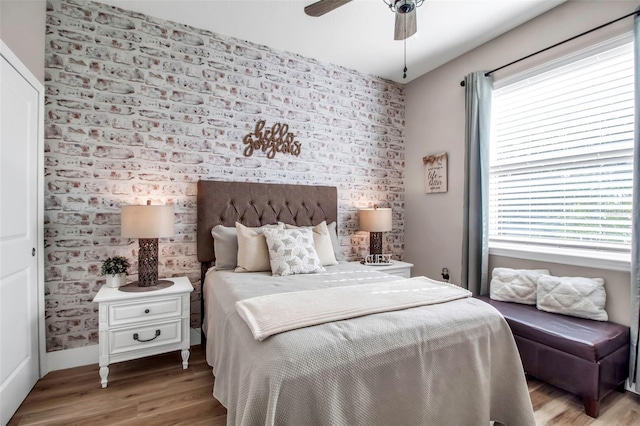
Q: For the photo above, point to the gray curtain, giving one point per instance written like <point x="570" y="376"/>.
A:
<point x="634" y="360"/>
<point x="475" y="244"/>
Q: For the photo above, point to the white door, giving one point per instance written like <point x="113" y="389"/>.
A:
<point x="19" y="351"/>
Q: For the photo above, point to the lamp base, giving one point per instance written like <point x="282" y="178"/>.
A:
<point x="148" y="262"/>
<point x="135" y="286"/>
<point x="375" y="243"/>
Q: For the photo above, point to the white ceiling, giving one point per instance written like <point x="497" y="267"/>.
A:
<point x="358" y="35"/>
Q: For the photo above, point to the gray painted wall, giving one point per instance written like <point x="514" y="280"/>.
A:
<point x="22" y="26"/>
<point x="435" y="123"/>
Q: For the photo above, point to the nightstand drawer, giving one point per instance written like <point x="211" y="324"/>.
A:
<point x="405" y="273"/>
<point x="142" y="337"/>
<point x="397" y="268"/>
<point x="126" y="313"/>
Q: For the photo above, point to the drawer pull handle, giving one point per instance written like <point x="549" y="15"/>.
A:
<point x="146" y="311"/>
<point x="136" y="337"/>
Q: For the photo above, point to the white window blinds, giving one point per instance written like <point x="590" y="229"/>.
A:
<point x="561" y="159"/>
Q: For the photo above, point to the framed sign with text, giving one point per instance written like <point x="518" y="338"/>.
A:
<point x="435" y="173"/>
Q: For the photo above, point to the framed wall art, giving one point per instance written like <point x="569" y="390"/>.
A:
<point x="435" y="173"/>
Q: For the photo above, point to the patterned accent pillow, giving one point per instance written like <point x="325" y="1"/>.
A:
<point x="321" y="242"/>
<point x="515" y="285"/>
<point x="291" y="251"/>
<point x="574" y="296"/>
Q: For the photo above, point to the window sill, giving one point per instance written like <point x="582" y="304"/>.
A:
<point x="602" y="260"/>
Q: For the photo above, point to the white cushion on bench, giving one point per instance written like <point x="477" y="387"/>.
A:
<point x="575" y="296"/>
<point x="515" y="285"/>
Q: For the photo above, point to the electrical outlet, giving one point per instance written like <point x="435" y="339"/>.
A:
<point x="445" y="274"/>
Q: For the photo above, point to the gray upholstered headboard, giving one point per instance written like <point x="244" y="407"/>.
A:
<point x="256" y="204"/>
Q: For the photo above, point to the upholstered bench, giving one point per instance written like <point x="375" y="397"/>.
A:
<point x="585" y="357"/>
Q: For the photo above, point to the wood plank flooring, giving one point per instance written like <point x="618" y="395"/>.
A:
<point x="157" y="391"/>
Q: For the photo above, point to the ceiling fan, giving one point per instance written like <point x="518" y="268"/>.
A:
<point x="405" y="11"/>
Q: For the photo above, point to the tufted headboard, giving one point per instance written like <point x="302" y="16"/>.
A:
<point x="256" y="204"/>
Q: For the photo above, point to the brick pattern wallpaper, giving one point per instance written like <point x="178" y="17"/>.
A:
<point x="140" y="108"/>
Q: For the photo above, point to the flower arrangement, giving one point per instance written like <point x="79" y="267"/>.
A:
<point x="115" y="265"/>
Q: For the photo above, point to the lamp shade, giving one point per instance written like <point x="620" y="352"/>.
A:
<point x="147" y="221"/>
<point x="375" y="220"/>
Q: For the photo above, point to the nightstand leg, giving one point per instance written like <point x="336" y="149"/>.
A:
<point x="185" y="359"/>
<point x="104" y="372"/>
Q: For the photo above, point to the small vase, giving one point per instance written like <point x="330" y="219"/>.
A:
<point x="117" y="280"/>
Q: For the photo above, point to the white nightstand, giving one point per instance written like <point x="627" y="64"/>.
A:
<point x="401" y="269"/>
<point x="138" y="324"/>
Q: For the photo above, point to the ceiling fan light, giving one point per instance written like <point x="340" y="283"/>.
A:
<point x="404" y="6"/>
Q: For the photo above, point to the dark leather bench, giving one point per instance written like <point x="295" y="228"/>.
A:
<point x="585" y="357"/>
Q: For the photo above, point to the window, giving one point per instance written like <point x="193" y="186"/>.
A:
<point x="561" y="157"/>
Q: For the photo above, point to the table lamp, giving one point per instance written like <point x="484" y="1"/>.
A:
<point x="376" y="221"/>
<point x="147" y="223"/>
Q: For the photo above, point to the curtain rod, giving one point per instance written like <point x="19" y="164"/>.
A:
<point x="637" y="12"/>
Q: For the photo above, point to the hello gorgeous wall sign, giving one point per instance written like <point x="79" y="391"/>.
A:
<point x="273" y="140"/>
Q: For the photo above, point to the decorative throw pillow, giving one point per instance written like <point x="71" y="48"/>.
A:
<point x="321" y="242"/>
<point x="291" y="251"/>
<point x="575" y="296"/>
<point x="515" y="285"/>
<point x="333" y="233"/>
<point x="253" y="254"/>
<point x="225" y="245"/>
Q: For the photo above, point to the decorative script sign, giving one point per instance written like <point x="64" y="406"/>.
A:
<point x="271" y="141"/>
<point x="435" y="173"/>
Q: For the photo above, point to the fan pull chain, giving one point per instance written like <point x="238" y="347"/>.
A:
<point x="404" y="75"/>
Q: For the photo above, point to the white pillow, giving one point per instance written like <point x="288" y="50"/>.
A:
<point x="333" y="234"/>
<point x="253" y="254"/>
<point x="225" y="244"/>
<point x="515" y="285"/>
<point x="576" y="296"/>
<point x="321" y="242"/>
<point x="291" y="251"/>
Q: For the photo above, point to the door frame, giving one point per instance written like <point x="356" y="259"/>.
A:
<point x="15" y="62"/>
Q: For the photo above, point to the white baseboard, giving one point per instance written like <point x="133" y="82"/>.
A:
<point x="69" y="358"/>
<point x="87" y="355"/>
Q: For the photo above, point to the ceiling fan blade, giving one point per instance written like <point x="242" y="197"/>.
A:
<point x="405" y="19"/>
<point x="321" y="7"/>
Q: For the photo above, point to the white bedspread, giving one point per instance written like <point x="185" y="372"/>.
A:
<point x="280" y="312"/>
<point x="453" y="363"/>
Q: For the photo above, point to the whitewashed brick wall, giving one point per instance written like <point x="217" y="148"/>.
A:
<point x="141" y="108"/>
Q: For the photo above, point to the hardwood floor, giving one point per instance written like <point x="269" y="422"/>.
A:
<point x="154" y="391"/>
<point x="157" y="391"/>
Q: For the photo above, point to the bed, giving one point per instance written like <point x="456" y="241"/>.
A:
<point x="448" y="363"/>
